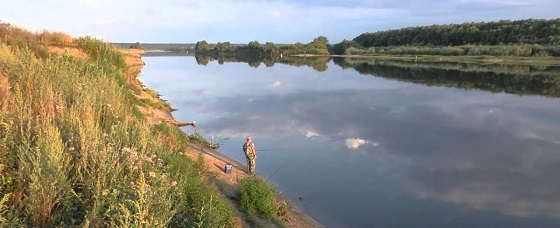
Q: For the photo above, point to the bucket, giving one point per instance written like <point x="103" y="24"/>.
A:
<point x="228" y="168"/>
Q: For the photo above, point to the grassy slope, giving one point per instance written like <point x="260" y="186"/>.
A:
<point x="75" y="149"/>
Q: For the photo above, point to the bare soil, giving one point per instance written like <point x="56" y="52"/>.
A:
<point x="75" y="52"/>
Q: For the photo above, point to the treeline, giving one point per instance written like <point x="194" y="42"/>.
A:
<point x="319" y="46"/>
<point x="255" y="51"/>
<point x="523" y="38"/>
<point x="531" y="31"/>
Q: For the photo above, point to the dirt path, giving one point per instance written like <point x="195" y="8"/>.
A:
<point x="227" y="184"/>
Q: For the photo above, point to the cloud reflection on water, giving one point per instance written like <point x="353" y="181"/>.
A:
<point x="458" y="152"/>
<point x="490" y="152"/>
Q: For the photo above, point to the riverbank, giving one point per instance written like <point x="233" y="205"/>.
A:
<point x="83" y="143"/>
<point x="77" y="151"/>
<point x="213" y="161"/>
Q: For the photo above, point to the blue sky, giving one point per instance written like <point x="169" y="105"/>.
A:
<point x="282" y="21"/>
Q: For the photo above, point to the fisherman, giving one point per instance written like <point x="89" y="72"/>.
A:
<point x="250" y="154"/>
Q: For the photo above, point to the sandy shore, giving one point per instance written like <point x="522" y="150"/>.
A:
<point x="214" y="161"/>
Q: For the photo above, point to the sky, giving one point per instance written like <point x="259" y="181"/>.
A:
<point x="280" y="21"/>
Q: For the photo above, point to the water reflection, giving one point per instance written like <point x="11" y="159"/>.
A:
<point x="384" y="153"/>
<point x="516" y="79"/>
<point x="317" y="63"/>
<point x="511" y="78"/>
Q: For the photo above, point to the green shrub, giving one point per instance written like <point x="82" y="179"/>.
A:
<point x="202" y="206"/>
<point x="197" y="138"/>
<point x="257" y="197"/>
<point x="101" y="51"/>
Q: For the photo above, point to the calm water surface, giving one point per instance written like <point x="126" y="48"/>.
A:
<point x="358" y="150"/>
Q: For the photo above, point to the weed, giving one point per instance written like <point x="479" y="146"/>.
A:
<point x="257" y="197"/>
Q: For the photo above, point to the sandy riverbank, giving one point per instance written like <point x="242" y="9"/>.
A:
<point x="214" y="161"/>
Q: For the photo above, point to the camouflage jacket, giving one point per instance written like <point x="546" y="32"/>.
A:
<point x="249" y="149"/>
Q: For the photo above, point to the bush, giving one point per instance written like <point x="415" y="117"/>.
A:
<point x="355" y="51"/>
<point x="21" y="38"/>
<point x="101" y="52"/>
<point x="55" y="38"/>
<point x="257" y="197"/>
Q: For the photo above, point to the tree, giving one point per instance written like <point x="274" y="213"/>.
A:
<point x="201" y="46"/>
<point x="136" y="45"/>
<point x="340" y="48"/>
<point x="254" y="44"/>
<point x="318" y="46"/>
<point x="320" y="41"/>
<point x="271" y="50"/>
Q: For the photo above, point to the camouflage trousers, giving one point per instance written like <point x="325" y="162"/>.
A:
<point x="251" y="165"/>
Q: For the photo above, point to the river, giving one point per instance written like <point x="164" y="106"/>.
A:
<point x="358" y="143"/>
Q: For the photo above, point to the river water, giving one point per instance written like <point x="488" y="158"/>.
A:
<point x="379" y="144"/>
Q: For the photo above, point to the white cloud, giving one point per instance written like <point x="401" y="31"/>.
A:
<point x="275" y="13"/>
<point x="310" y="134"/>
<point x="276" y="84"/>
<point x="355" y="143"/>
<point x="499" y="2"/>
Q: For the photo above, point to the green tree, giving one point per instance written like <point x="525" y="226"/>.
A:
<point x="318" y="46"/>
<point x="201" y="46"/>
<point x="271" y="50"/>
<point x="136" y="46"/>
<point x="254" y="44"/>
<point x="340" y="48"/>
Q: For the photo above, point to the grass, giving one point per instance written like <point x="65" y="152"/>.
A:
<point x="258" y="198"/>
<point x="155" y="104"/>
<point x="75" y="151"/>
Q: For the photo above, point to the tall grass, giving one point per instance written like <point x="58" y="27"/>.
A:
<point x="101" y="52"/>
<point x="75" y="152"/>
<point x="257" y="197"/>
<point x="36" y="42"/>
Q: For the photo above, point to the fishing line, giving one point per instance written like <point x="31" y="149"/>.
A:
<point x="278" y="169"/>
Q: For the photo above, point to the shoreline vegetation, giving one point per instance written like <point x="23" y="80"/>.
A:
<point x="84" y="143"/>
<point x="517" y="42"/>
